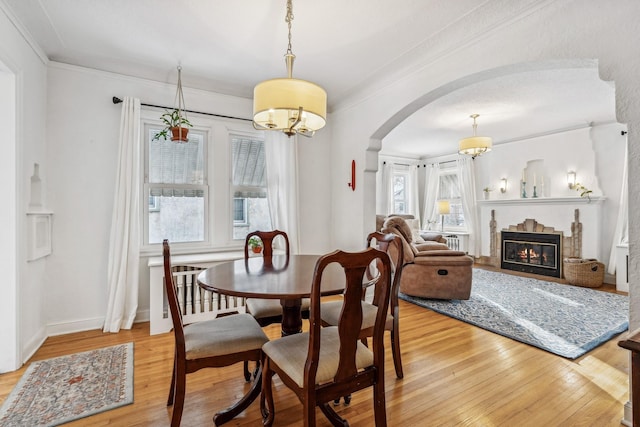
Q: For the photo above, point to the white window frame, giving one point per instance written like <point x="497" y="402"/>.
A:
<point x="204" y="188"/>
<point x="218" y="210"/>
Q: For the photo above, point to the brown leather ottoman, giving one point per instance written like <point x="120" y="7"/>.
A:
<point x="438" y="274"/>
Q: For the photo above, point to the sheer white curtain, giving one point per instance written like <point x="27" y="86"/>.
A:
<point x="431" y="185"/>
<point x="386" y="192"/>
<point x="621" y="233"/>
<point x="414" y="200"/>
<point x="466" y="178"/>
<point x="281" y="154"/>
<point x="124" y="242"/>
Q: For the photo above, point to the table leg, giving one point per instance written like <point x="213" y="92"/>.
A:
<point x="291" y="316"/>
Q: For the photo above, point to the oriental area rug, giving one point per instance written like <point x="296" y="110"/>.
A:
<point x="562" y="319"/>
<point x="55" y="391"/>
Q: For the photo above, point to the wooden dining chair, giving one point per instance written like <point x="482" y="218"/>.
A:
<point x="326" y="363"/>
<point x="214" y="343"/>
<point x="392" y="244"/>
<point x="268" y="311"/>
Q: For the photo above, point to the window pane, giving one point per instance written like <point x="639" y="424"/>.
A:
<point x="176" y="163"/>
<point x="179" y="219"/>
<point x="177" y="193"/>
<point x="249" y="186"/>
<point x="399" y="193"/>
<point x="449" y="186"/>
<point x="239" y="211"/>
<point x="450" y="190"/>
<point x="248" y="162"/>
<point x="257" y="217"/>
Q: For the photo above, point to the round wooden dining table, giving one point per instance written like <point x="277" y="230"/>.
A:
<point x="287" y="278"/>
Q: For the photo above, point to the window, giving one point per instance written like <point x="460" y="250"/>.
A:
<point x="175" y="187"/>
<point x="208" y="193"/>
<point x="239" y="211"/>
<point x="449" y="189"/>
<point x="250" y="204"/>
<point x="400" y="193"/>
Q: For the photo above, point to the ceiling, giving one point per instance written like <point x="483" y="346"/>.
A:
<point x="344" y="46"/>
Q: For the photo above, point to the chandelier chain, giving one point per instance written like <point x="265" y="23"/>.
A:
<point x="289" y="18"/>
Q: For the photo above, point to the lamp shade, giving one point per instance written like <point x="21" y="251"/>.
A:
<point x="277" y="102"/>
<point x="475" y="145"/>
<point x="444" y="207"/>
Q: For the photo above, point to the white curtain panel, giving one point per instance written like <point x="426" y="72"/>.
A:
<point x="281" y="154"/>
<point x="414" y="200"/>
<point x="386" y="192"/>
<point x="466" y="178"/>
<point x="124" y="242"/>
<point x="431" y="185"/>
<point x="621" y="233"/>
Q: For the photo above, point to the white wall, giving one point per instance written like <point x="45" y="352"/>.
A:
<point x="23" y="144"/>
<point x="83" y="127"/>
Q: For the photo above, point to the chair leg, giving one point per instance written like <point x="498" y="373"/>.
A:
<point x="266" y="403"/>
<point x="173" y="382"/>
<point x="379" y="403"/>
<point x="397" y="358"/>
<point x="178" y="405"/>
<point x="247" y="374"/>
<point x="333" y="416"/>
<point x="309" y="413"/>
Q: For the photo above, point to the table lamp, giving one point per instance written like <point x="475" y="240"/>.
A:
<point x="443" y="209"/>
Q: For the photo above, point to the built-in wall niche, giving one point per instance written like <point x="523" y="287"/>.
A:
<point x="533" y="180"/>
<point x="39" y="219"/>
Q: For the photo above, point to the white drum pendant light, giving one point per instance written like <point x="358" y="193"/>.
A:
<point x="290" y="105"/>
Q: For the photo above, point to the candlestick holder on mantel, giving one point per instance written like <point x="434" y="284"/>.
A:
<point x="535" y="194"/>
<point x="523" y="185"/>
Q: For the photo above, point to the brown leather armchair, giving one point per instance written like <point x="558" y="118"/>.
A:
<point x="431" y="269"/>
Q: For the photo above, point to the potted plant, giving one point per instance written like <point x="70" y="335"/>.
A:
<point x="584" y="191"/>
<point x="487" y="192"/>
<point x="255" y="244"/>
<point x="175" y="122"/>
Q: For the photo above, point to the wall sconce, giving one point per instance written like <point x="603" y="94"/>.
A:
<point x="571" y="179"/>
<point x="444" y="208"/>
<point x="503" y="185"/>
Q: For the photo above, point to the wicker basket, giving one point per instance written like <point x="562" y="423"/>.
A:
<point x="584" y="272"/>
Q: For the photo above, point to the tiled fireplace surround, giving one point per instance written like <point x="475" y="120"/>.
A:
<point x="579" y="220"/>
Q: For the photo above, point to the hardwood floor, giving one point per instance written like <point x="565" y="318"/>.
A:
<point x="455" y="375"/>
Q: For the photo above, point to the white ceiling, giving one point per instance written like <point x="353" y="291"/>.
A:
<point x="344" y="46"/>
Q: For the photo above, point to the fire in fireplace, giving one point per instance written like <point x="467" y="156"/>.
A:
<point x="537" y="253"/>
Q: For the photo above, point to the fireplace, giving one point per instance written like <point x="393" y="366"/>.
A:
<point x="529" y="252"/>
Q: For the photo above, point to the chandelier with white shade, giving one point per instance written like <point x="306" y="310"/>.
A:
<point x="290" y="105"/>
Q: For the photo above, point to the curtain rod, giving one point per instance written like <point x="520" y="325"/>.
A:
<point x="117" y="100"/>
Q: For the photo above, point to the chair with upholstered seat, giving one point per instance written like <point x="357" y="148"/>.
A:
<point x="326" y="363"/>
<point x="391" y="244"/>
<point x="212" y="343"/>
<point x="268" y="311"/>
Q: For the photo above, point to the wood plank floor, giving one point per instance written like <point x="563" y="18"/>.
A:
<point x="455" y="375"/>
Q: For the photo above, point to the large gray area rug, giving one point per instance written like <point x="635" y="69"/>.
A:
<point x="562" y="319"/>
<point x="62" y="389"/>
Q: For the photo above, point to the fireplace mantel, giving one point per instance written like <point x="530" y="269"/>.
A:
<point x="543" y="201"/>
<point x="557" y="212"/>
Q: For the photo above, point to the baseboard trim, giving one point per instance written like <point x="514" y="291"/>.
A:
<point x="82" y="325"/>
<point x="627" y="420"/>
